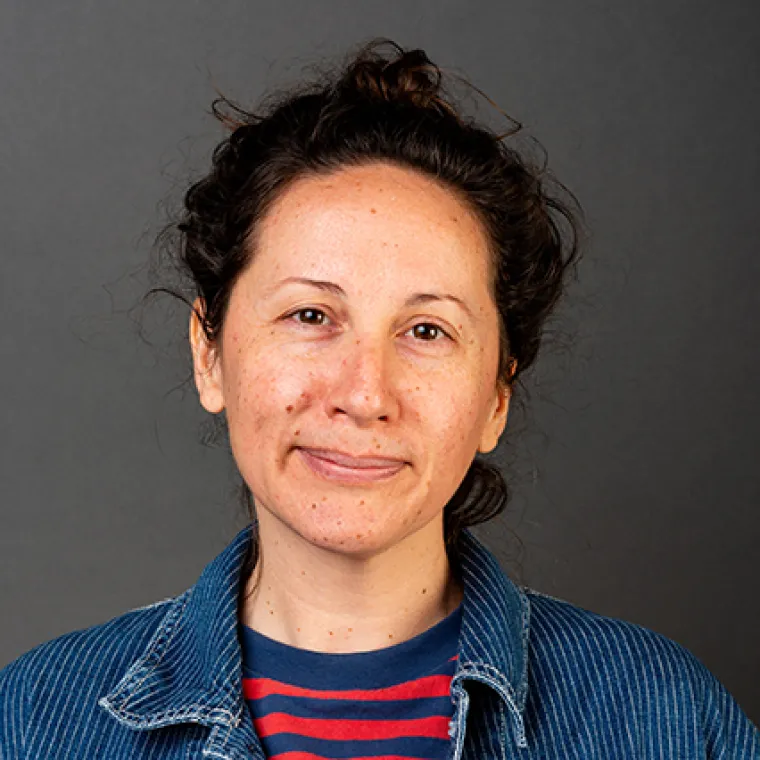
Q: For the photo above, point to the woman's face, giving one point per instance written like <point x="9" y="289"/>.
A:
<point x="358" y="357"/>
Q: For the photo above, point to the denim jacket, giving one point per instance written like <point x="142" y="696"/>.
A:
<point x="537" y="677"/>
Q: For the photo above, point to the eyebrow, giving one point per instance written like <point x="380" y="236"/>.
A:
<point x="414" y="300"/>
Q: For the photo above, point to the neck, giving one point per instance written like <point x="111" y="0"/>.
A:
<point x="310" y="598"/>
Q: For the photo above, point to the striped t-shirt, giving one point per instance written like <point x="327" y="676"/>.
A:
<point x="388" y="704"/>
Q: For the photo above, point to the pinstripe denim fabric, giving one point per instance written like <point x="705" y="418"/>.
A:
<point x="537" y="677"/>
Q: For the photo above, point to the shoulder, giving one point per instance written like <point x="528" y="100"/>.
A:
<point x="118" y="638"/>
<point x="606" y="661"/>
<point x="562" y="629"/>
<point x="90" y="659"/>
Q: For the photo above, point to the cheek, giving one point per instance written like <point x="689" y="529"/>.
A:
<point x="450" y="413"/>
<point x="266" y="393"/>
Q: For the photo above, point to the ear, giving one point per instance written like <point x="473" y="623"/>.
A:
<point x="497" y="419"/>
<point x="207" y="365"/>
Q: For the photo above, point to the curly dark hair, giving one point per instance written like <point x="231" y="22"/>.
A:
<point x="386" y="104"/>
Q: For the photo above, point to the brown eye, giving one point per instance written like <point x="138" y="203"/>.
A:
<point x="428" y="332"/>
<point x="309" y="316"/>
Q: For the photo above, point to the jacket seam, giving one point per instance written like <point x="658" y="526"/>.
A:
<point x="193" y="713"/>
<point x="167" y="630"/>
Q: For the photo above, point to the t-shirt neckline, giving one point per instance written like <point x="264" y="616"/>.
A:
<point x="407" y="660"/>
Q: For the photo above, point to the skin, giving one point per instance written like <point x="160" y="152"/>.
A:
<point x="356" y="566"/>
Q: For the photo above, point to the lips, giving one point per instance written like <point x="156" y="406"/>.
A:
<point x="356" y="462"/>
<point x="347" y="469"/>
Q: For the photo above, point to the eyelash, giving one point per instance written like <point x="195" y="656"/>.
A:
<point x="303" y="309"/>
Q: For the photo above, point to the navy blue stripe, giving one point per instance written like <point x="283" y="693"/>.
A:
<point x="411" y="747"/>
<point x="350" y="709"/>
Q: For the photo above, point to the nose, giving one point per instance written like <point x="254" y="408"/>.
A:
<point x="364" y="388"/>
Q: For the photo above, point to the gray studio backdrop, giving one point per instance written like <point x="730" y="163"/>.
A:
<point x="635" y="467"/>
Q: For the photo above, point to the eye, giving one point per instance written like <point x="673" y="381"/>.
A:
<point x="308" y="316"/>
<point x="428" y="332"/>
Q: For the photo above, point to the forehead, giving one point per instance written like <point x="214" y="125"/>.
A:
<point x="378" y="209"/>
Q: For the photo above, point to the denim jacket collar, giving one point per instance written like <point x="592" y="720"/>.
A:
<point x="191" y="669"/>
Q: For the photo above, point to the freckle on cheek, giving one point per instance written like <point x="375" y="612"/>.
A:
<point x="289" y="408"/>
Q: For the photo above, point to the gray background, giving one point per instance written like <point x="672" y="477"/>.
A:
<point x="634" y="470"/>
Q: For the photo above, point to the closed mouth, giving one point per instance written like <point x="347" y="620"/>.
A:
<point x="355" y="462"/>
<point x="340" y="466"/>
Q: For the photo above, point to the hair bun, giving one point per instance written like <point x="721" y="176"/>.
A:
<point x="402" y="77"/>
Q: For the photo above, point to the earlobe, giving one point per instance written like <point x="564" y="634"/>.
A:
<point x="207" y="368"/>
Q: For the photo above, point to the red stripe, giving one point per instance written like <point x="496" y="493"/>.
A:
<point x="429" y="686"/>
<point x="436" y="727"/>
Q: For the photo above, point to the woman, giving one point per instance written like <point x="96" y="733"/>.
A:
<point x="372" y="274"/>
